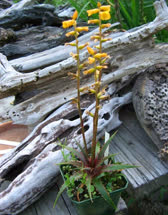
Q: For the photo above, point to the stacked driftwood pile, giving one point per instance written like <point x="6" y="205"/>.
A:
<point x="42" y="89"/>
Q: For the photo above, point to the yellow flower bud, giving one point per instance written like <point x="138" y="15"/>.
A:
<point x="71" y="33"/>
<point x="83" y="89"/>
<point x="89" y="113"/>
<point x="97" y="47"/>
<point x="75" y="15"/>
<point x="97" y="74"/>
<point x="104" y="97"/>
<point x="105" y="40"/>
<point x="75" y="56"/>
<point x="92" y="11"/>
<point x="95" y="37"/>
<point x="91" y="51"/>
<point x="105" y="8"/>
<point x="74" y="101"/>
<point x="70" y="44"/>
<point x="91" y="60"/>
<point x="98" y="4"/>
<point x="84" y="28"/>
<point x="105" y="15"/>
<point x="93" y="21"/>
<point x="68" y="23"/>
<point x="105" y="25"/>
<point x="101" y="67"/>
<point x="83" y="46"/>
<point x="90" y="71"/>
<point x="100" y="55"/>
<point x="92" y="91"/>
<point x="73" y="76"/>
<point x="99" y="94"/>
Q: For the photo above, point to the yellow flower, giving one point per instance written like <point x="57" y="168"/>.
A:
<point x="68" y="23"/>
<point x="104" y="97"/>
<point x="105" y="15"/>
<point x="105" y="25"/>
<point x="105" y="8"/>
<point x="84" y="28"/>
<point x="91" y="60"/>
<point x="91" y="51"/>
<point x="70" y="44"/>
<point x="100" y="55"/>
<point x="93" y="11"/>
<point x="89" y="113"/>
<point x="75" y="56"/>
<point x="105" y="40"/>
<point x="92" y="90"/>
<point x="93" y="21"/>
<point x="89" y="71"/>
<point x="75" y="15"/>
<point x="98" y="4"/>
<point x="71" y="33"/>
<point x="83" y="89"/>
<point x="83" y="46"/>
<point x="96" y="37"/>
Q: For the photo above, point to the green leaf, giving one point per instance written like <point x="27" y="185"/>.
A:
<point x="103" y="149"/>
<point x="75" y="152"/>
<point x="114" y="167"/>
<point x="74" y="163"/>
<point x="97" y="148"/>
<point x="63" y="187"/>
<point x="104" y="193"/>
<point x="107" y="158"/>
<point x="89" y="186"/>
<point x="82" y="150"/>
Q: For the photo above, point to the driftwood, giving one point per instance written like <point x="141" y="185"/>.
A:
<point x="31" y="165"/>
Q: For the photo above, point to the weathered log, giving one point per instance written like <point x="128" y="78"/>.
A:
<point x="36" y="156"/>
<point x="30" y="40"/>
<point x="32" y="15"/>
<point x="5" y="4"/>
<point x="150" y="103"/>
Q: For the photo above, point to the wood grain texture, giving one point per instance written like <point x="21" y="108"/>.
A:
<point x="135" y="147"/>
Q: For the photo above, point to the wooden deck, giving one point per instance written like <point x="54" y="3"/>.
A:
<point x="134" y="147"/>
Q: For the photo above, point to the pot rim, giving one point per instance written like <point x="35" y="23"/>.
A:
<point x="96" y="197"/>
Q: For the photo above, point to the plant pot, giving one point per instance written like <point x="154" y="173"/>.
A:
<point x="99" y="206"/>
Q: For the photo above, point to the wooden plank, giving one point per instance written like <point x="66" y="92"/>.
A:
<point x="44" y="206"/>
<point x="135" y="147"/>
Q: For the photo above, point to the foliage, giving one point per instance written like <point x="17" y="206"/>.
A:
<point x="90" y="169"/>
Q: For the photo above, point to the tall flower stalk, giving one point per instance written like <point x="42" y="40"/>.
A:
<point x="99" y="60"/>
<point x="77" y="76"/>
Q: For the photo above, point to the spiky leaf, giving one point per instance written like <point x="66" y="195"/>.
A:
<point x="88" y="184"/>
<point x="104" y="193"/>
<point x="115" y="167"/>
<point x="63" y="187"/>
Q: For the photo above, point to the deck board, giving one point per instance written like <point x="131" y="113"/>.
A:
<point x="135" y="147"/>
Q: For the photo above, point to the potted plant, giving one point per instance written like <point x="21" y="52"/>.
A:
<point x="93" y="179"/>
